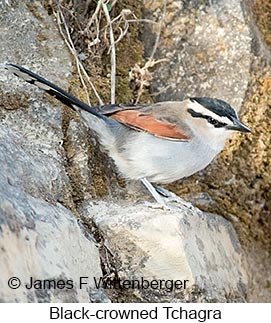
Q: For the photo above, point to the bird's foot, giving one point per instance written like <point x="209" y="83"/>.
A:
<point x="164" y="198"/>
<point x="172" y="198"/>
<point x="157" y="206"/>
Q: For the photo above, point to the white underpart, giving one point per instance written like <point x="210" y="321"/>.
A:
<point x="157" y="159"/>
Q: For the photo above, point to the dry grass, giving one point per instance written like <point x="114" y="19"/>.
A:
<point x="96" y="33"/>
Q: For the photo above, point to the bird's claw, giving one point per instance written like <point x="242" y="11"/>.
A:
<point x="170" y="197"/>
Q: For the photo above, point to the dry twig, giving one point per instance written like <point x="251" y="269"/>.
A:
<point x="94" y="16"/>
<point x="141" y="75"/>
<point x="113" y="53"/>
<point x="158" y="35"/>
<point x="79" y="65"/>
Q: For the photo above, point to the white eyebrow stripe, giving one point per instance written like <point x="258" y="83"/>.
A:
<point x="200" y="109"/>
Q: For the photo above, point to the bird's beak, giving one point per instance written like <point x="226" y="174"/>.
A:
<point x="238" y="126"/>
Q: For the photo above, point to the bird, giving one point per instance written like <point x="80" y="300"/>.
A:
<point x="155" y="143"/>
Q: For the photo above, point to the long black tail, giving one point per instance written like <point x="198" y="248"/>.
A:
<point x="50" y="88"/>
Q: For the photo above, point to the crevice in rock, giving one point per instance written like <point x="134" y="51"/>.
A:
<point x="109" y="261"/>
<point x="72" y="200"/>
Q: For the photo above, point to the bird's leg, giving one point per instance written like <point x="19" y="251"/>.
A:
<point x="163" y="196"/>
<point x="158" y="198"/>
<point x="171" y="197"/>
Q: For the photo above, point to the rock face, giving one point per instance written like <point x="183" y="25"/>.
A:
<point x="39" y="237"/>
<point x="173" y="245"/>
<point x="42" y="241"/>
<point x="208" y="47"/>
<point x="216" y="49"/>
<point x="51" y="227"/>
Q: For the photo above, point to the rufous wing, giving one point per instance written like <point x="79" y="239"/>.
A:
<point x="150" y="124"/>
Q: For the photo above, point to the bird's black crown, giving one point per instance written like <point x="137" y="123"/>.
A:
<point x="217" y="106"/>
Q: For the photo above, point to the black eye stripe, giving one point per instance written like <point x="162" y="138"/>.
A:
<point x="215" y="123"/>
<point x="212" y="121"/>
<point x="195" y="114"/>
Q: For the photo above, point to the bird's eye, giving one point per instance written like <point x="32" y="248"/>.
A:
<point x="212" y="121"/>
<point x="216" y="123"/>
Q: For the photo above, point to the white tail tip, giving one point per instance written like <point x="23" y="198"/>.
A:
<point x="3" y="65"/>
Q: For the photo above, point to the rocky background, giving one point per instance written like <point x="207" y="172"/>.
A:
<point x="65" y="213"/>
